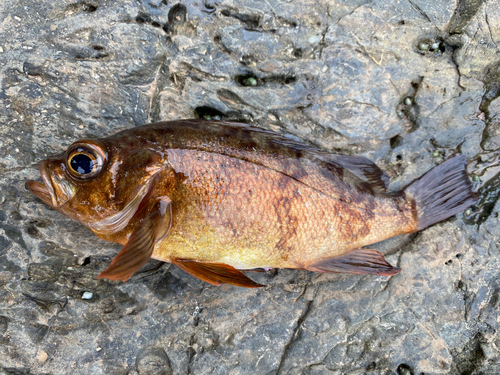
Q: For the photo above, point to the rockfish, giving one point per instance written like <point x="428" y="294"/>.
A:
<point x="216" y="198"/>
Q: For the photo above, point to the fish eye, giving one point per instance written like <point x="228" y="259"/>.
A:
<point x="84" y="160"/>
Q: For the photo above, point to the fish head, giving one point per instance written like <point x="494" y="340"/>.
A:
<point x="99" y="183"/>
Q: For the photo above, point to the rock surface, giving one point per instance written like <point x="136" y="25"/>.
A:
<point x="405" y="83"/>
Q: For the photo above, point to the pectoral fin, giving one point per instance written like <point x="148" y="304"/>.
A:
<point x="359" y="261"/>
<point x="140" y="245"/>
<point x="215" y="273"/>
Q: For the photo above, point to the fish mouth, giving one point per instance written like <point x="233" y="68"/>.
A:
<point x="43" y="191"/>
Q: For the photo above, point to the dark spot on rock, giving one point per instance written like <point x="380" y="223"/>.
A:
<point x="399" y="157"/>
<point x="280" y="79"/>
<point x="86" y="7"/>
<point x="86" y="261"/>
<point x="248" y="60"/>
<point x="471" y="358"/>
<point x="153" y="360"/>
<point x="372" y="366"/>
<point x="208" y="8"/>
<point x="14" y="234"/>
<point x="208" y="113"/>
<point x="97" y="48"/>
<point x="8" y="265"/>
<point x="448" y="262"/>
<point x="247" y="80"/>
<point x="40" y="223"/>
<point x="4" y="322"/>
<point x="33" y="231"/>
<point x="402" y="22"/>
<point x="177" y="15"/>
<point x="4" y="244"/>
<point x="143" y="18"/>
<point x="464" y="13"/>
<point x="167" y="28"/>
<point x="252" y="21"/>
<point x="297" y="53"/>
<point x="488" y="195"/>
<point x="31" y="69"/>
<point x="155" y="24"/>
<point x="37" y="332"/>
<point x="15" y="215"/>
<point x="404" y="369"/>
<point x="495" y="297"/>
<point x="396" y="141"/>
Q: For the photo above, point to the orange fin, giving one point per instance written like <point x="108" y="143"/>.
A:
<point x="359" y="261"/>
<point x="140" y="245"/>
<point x="215" y="273"/>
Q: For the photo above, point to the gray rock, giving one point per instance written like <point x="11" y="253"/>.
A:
<point x="153" y="361"/>
<point x="336" y="74"/>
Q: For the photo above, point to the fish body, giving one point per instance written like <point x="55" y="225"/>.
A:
<point x="215" y="198"/>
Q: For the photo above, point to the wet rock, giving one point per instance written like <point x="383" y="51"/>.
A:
<point x="405" y="84"/>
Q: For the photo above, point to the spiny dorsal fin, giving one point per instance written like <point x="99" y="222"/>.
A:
<point x="358" y="261"/>
<point x="215" y="273"/>
<point x="364" y="169"/>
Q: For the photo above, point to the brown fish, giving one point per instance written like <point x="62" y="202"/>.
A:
<point x="215" y="198"/>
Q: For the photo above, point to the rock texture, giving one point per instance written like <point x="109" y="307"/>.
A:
<point x="405" y="83"/>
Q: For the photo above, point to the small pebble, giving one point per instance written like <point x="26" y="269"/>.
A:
<point x="468" y="212"/>
<point x="87" y="295"/>
<point x="250" y="81"/>
<point x="400" y="113"/>
<point x="475" y="178"/>
<point x="423" y="46"/>
<point x="435" y="154"/>
<point x="438" y="160"/>
<point x="434" y="46"/>
<point x="207" y="117"/>
<point x="407" y="101"/>
<point x="1" y="49"/>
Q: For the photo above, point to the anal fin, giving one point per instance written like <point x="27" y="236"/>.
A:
<point x="358" y="261"/>
<point x="215" y="273"/>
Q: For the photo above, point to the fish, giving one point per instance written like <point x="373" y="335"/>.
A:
<point x="217" y="198"/>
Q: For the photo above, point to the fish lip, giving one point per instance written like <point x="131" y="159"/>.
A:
<point x="43" y="190"/>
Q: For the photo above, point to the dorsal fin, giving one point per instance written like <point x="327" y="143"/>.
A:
<point x="364" y="169"/>
<point x="283" y="153"/>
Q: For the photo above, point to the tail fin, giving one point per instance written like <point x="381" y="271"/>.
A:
<point x="442" y="192"/>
